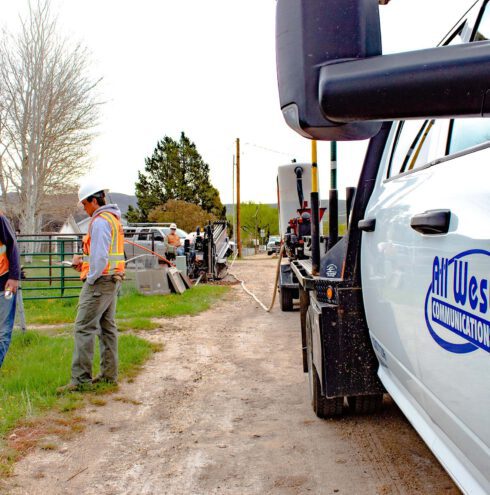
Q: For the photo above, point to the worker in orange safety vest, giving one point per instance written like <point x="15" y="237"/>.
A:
<point x="102" y="270"/>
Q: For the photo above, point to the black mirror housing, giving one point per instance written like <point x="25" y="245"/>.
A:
<point x="314" y="33"/>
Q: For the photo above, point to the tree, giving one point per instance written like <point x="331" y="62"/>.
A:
<point x="47" y="114"/>
<point x="187" y="216"/>
<point x="175" y="171"/>
<point x="255" y="217"/>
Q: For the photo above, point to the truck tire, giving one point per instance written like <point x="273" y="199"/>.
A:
<point x="365" y="404"/>
<point x="286" y="298"/>
<point x="322" y="406"/>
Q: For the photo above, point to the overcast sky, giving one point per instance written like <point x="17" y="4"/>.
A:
<point x="207" y="67"/>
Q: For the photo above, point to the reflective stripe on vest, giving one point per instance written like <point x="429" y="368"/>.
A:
<point x="116" y="251"/>
<point x="115" y="262"/>
<point x="4" y="261"/>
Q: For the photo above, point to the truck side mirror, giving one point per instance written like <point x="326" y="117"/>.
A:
<point x="334" y="84"/>
<point x="314" y="33"/>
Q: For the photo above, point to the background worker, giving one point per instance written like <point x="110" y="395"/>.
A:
<point x="174" y="240"/>
<point x="9" y="282"/>
<point x="102" y="270"/>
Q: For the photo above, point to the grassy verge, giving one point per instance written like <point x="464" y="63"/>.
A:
<point x="39" y="362"/>
<point x="35" y="366"/>
<point x="131" y="305"/>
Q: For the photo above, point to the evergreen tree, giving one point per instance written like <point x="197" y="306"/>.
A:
<point x="177" y="171"/>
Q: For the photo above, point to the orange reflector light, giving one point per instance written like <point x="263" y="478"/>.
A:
<point x="329" y="293"/>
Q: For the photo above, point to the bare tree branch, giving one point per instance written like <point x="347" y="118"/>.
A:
<point x="48" y="112"/>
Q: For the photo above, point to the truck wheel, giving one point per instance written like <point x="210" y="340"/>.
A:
<point x="365" y="404"/>
<point x="286" y="299"/>
<point x="322" y="406"/>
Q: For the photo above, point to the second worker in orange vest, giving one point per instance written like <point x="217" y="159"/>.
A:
<point x="102" y="270"/>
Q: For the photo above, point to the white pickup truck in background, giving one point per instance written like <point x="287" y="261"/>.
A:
<point x="149" y="236"/>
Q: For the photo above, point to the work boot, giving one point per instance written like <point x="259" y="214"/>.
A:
<point x="69" y="387"/>
<point x="103" y="379"/>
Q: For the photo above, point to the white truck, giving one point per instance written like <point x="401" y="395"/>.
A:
<point x="409" y="310"/>
<point x="142" y="238"/>
<point x="152" y="236"/>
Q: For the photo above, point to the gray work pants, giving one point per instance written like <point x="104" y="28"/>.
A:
<point x="96" y="309"/>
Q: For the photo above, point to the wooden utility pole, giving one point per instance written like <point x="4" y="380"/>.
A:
<point x="238" y="226"/>
<point x="233" y="201"/>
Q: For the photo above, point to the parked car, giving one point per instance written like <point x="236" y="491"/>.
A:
<point x="274" y="244"/>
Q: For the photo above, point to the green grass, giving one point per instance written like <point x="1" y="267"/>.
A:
<point x="37" y="364"/>
<point x="191" y="302"/>
<point x="51" y="311"/>
<point x="130" y="305"/>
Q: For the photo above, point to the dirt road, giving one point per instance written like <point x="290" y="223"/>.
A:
<point x="224" y="409"/>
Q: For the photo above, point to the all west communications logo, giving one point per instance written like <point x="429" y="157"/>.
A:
<point x="457" y="303"/>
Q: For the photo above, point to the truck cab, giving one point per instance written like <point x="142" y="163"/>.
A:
<point x="409" y="312"/>
<point x="143" y="238"/>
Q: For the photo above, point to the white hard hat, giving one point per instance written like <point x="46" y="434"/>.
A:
<point x="89" y="188"/>
<point x="173" y="226"/>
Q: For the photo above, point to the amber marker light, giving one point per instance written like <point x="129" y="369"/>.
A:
<point x="329" y="293"/>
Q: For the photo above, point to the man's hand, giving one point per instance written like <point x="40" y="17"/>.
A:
<point x="77" y="262"/>
<point x="12" y="285"/>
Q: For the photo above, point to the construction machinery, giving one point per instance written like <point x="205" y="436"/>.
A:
<point x="207" y="258"/>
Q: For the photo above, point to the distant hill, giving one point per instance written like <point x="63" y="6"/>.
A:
<point x="120" y="199"/>
<point x="123" y="201"/>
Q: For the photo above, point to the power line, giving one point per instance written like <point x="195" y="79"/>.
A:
<point x="268" y="149"/>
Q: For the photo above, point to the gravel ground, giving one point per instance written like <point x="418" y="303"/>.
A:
<point x="224" y="409"/>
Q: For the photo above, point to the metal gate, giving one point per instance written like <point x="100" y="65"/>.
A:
<point x="46" y="265"/>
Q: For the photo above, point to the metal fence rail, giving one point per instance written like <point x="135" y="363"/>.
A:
<point x="46" y="261"/>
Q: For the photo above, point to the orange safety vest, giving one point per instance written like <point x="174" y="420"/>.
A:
<point x="4" y="261"/>
<point x="116" y="250"/>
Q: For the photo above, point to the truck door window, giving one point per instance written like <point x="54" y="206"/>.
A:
<point x="483" y="30"/>
<point x="157" y="235"/>
<point x="411" y="146"/>
<point x="465" y="133"/>
<point x="416" y="142"/>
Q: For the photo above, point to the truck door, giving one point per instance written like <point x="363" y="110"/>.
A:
<point x="142" y="238"/>
<point x="426" y="282"/>
<point x="425" y="272"/>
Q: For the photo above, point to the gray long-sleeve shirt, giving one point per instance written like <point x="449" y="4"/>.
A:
<point x="100" y="242"/>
